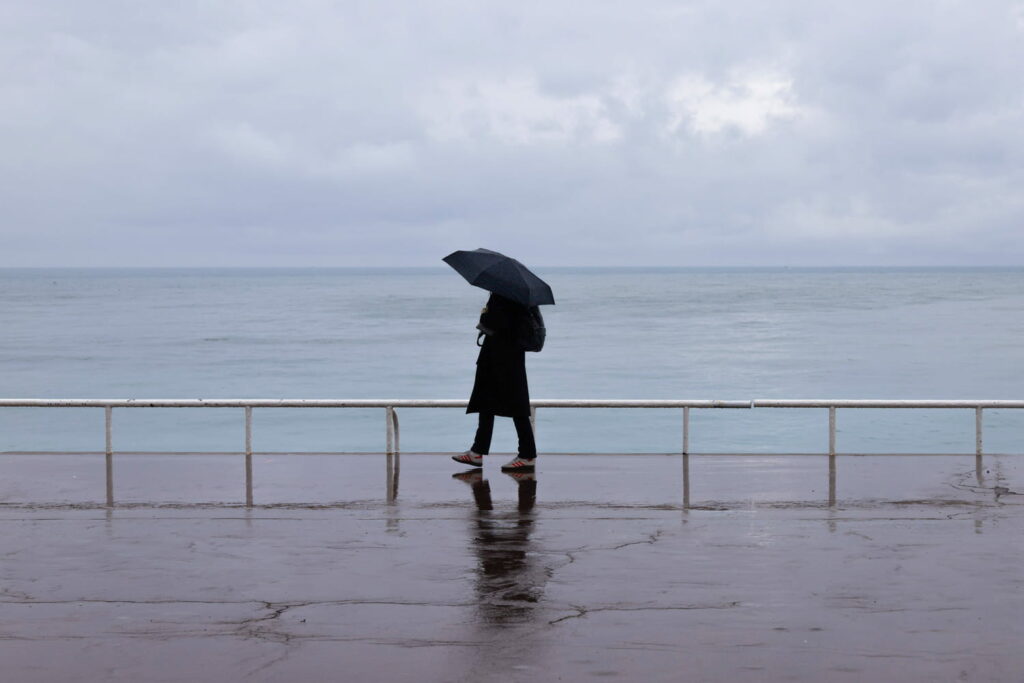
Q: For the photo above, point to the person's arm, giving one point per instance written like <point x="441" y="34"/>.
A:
<point x="498" y="317"/>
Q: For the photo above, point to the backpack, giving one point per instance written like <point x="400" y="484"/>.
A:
<point x="531" y="331"/>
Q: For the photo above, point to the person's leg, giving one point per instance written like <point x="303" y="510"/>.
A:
<point x="484" y="431"/>
<point x="527" y="445"/>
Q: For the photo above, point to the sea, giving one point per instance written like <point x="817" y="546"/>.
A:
<point x="614" y="333"/>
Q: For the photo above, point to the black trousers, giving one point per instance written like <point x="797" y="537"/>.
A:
<point x="485" y="429"/>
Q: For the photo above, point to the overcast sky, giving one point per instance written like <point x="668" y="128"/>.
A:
<point x="269" y="133"/>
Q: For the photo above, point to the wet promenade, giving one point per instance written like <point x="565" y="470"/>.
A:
<point x="354" y="568"/>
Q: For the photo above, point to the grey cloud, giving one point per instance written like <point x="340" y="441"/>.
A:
<point x="389" y="133"/>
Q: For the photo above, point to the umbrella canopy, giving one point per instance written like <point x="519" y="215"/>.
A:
<point x="501" y="275"/>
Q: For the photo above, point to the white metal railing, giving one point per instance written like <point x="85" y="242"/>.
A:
<point x="392" y="429"/>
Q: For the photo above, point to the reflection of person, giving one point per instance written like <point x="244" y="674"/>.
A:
<point x="500" y="387"/>
<point x="509" y="583"/>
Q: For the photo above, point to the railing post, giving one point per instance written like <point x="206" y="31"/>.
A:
<point x="109" y="429"/>
<point x="686" y="430"/>
<point x="398" y="432"/>
<point x="392" y="457"/>
<point x="831" y="456"/>
<point x="832" y="430"/>
<point x="389" y="439"/>
<point x="978" y="447"/>
<point x="533" y="421"/>
<point x="393" y="464"/>
<point x="248" y="456"/>
<point x="977" y="432"/>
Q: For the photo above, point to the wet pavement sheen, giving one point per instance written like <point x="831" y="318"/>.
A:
<point x="357" y="568"/>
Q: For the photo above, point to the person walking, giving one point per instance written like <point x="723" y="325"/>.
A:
<point x="510" y="324"/>
<point x="500" y="387"/>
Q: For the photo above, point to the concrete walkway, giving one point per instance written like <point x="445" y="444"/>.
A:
<point x="592" y="572"/>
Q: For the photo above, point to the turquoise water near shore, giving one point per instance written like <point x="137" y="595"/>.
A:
<point x="938" y="333"/>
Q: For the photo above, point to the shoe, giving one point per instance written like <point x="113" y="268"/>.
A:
<point x="469" y="458"/>
<point x="519" y="465"/>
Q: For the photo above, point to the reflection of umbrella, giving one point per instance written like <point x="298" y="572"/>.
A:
<point x="501" y="275"/>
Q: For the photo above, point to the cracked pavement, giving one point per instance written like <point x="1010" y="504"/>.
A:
<point x="593" y="572"/>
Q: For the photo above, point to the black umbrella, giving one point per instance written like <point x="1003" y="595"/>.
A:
<point x="501" y="275"/>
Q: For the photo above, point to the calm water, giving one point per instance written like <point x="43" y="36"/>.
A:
<point x="727" y="334"/>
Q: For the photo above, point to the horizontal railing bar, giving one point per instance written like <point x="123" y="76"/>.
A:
<point x="637" y="403"/>
<point x="461" y="403"/>
<point x="701" y="454"/>
<point x="227" y="403"/>
<point x="884" y="403"/>
<point x="346" y="403"/>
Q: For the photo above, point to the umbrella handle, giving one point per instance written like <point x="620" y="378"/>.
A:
<point x="484" y="331"/>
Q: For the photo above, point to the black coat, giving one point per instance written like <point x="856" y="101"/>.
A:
<point x="500" y="387"/>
